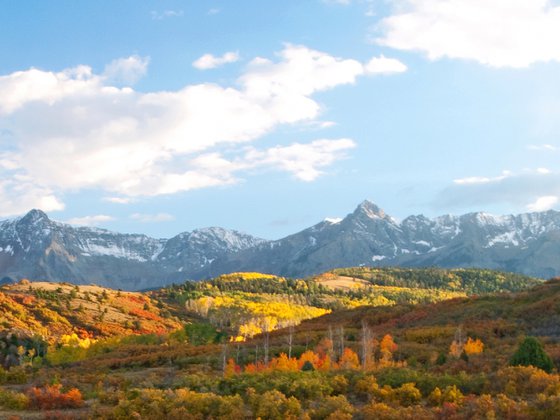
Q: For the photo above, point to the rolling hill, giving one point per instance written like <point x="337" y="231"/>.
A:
<point x="436" y="359"/>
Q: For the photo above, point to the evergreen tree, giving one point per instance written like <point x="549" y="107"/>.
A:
<point x="531" y="353"/>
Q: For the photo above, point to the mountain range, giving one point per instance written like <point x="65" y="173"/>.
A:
<point x="38" y="248"/>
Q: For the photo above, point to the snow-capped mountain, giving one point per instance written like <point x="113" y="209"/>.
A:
<point x="38" y="248"/>
<point x="526" y="243"/>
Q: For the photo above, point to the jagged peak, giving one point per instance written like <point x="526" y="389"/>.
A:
<point x="35" y="216"/>
<point x="371" y="210"/>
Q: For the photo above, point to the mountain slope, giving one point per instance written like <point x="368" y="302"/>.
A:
<point x="38" y="248"/>
<point x="527" y="243"/>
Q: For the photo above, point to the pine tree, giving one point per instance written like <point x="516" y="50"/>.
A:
<point x="531" y="353"/>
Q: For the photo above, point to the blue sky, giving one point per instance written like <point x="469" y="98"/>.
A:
<point x="266" y="117"/>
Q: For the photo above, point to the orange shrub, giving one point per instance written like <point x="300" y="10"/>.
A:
<point x="349" y="359"/>
<point x="308" y="356"/>
<point x="473" y="346"/>
<point x="49" y="397"/>
<point x="284" y="363"/>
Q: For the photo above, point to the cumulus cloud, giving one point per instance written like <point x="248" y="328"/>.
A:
<point x="151" y="218"/>
<point x="95" y="220"/>
<point x="530" y="189"/>
<point x="37" y="86"/>
<point x="304" y="161"/>
<point x="543" y="203"/>
<point x="126" y="70"/>
<point x="384" y="65"/>
<point x="73" y="129"/>
<point x="497" y="33"/>
<point x="19" y="193"/>
<point x="209" y="61"/>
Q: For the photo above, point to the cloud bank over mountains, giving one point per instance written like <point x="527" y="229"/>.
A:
<point x="64" y="132"/>
<point x="74" y="129"/>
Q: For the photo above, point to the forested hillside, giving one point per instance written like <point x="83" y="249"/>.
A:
<point x="250" y="345"/>
<point x="468" y="280"/>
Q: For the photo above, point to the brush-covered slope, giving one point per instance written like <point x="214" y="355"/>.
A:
<point x="444" y="360"/>
<point x="426" y="330"/>
<point x="52" y="310"/>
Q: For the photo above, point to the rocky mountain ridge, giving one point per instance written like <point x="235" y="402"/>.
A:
<point x="38" y="248"/>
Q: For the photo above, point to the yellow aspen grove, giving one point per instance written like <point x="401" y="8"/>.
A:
<point x="473" y="346"/>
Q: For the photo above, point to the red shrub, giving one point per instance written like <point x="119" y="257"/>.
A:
<point x="141" y="313"/>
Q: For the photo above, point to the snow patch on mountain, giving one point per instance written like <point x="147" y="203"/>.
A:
<point x="507" y="238"/>
<point x="111" y="249"/>
<point x="8" y="250"/>
<point x="333" y="220"/>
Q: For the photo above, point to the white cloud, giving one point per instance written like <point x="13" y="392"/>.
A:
<point x="544" y="171"/>
<point x="209" y="61"/>
<point x="304" y="161"/>
<point x="73" y="130"/>
<point x="498" y="33"/>
<point x="384" y="65"/>
<point x="95" y="220"/>
<point x="543" y="203"/>
<point x="7" y="162"/>
<point x="165" y="14"/>
<point x="214" y="11"/>
<point x="151" y="218"/>
<point x="301" y="72"/>
<point x="482" y="179"/>
<point x="543" y="147"/>
<point x="19" y="194"/>
<point x="530" y="189"/>
<point x="126" y="70"/>
<point x="25" y="87"/>
<point x="119" y="200"/>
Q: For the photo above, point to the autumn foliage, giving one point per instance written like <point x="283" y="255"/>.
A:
<point x="447" y="360"/>
<point x="50" y="397"/>
<point x="473" y="346"/>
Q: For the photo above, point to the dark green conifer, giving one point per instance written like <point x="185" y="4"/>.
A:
<point x="531" y="353"/>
